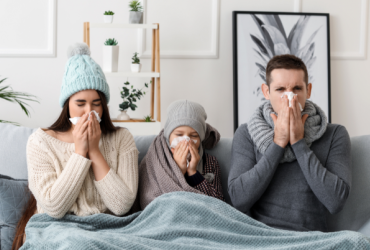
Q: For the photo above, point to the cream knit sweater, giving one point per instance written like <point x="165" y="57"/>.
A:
<point x="63" y="181"/>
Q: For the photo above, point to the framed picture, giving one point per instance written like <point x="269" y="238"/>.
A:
<point x="258" y="36"/>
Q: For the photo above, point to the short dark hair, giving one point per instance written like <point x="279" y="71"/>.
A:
<point x="285" y="62"/>
<point x="63" y="124"/>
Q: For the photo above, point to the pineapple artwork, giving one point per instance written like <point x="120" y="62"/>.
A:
<point x="273" y="40"/>
<point x="259" y="36"/>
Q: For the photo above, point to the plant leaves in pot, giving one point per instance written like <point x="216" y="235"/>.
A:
<point x="108" y="16"/>
<point x="110" y="55"/>
<point x="136" y="12"/>
<point x="135" y="65"/>
<point x="130" y="95"/>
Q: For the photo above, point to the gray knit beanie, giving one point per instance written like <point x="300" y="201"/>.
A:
<point x="185" y="113"/>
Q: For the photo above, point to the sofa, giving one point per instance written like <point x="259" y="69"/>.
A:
<point x="355" y="216"/>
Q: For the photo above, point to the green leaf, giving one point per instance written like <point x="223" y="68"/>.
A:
<point x="7" y="94"/>
<point x="126" y="83"/>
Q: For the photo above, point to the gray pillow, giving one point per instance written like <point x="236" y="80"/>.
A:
<point x="14" y="196"/>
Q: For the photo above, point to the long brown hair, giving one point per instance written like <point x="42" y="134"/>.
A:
<point x="29" y="210"/>
<point x="62" y="124"/>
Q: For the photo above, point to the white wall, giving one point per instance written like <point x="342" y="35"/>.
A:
<point x="207" y="81"/>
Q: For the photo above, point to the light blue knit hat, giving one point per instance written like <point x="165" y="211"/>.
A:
<point x="82" y="73"/>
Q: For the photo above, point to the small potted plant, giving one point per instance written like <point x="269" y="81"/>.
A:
<point x="129" y="96"/>
<point x="110" y="55"/>
<point x="135" y="65"/>
<point x="108" y="16"/>
<point x="136" y="12"/>
<point x="148" y="118"/>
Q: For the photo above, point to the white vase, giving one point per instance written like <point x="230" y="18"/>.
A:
<point x="135" y="67"/>
<point x="110" y="58"/>
<point x="108" y="18"/>
<point x="123" y="116"/>
<point x="136" y="17"/>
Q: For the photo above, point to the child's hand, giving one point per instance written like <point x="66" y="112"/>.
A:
<point x="179" y="155"/>
<point x="192" y="169"/>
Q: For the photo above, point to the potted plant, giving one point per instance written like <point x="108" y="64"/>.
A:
<point x="129" y="96"/>
<point x="136" y="12"/>
<point x="148" y="118"/>
<point x="110" y="55"/>
<point x="7" y="94"/>
<point x="108" y="16"/>
<point x="135" y="65"/>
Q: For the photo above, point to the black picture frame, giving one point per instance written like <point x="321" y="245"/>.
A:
<point x="235" y="56"/>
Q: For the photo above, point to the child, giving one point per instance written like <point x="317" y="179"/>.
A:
<point x="176" y="160"/>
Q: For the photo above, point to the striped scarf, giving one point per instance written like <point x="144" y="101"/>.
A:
<point x="261" y="128"/>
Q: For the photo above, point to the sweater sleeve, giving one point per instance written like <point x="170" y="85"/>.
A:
<point x="118" y="188"/>
<point x="214" y="188"/>
<point x="330" y="183"/>
<point x="55" y="194"/>
<point x="248" y="179"/>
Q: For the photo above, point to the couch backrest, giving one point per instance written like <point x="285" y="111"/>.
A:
<point x="354" y="215"/>
<point x="13" y="141"/>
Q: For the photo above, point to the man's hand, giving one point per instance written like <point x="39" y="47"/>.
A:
<point x="282" y="124"/>
<point x="296" y="122"/>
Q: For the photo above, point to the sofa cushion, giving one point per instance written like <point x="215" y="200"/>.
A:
<point x="14" y="195"/>
<point x="13" y="142"/>
<point x="356" y="212"/>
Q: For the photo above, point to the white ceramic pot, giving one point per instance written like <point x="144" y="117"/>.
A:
<point x="123" y="116"/>
<point x="136" y="17"/>
<point x="110" y="58"/>
<point x="135" y="67"/>
<point x="108" y="18"/>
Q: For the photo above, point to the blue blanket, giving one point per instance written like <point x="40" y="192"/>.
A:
<point x="178" y="221"/>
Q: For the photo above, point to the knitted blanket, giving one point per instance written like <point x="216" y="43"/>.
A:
<point x="179" y="220"/>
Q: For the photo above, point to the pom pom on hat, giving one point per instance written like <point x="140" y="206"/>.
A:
<point x="78" y="49"/>
<point x="82" y="73"/>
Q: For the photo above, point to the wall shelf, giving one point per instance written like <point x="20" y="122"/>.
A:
<point x="132" y="74"/>
<point x="138" y="126"/>
<point x="124" y="26"/>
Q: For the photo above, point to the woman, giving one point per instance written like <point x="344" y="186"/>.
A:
<point x="86" y="168"/>
<point x="177" y="159"/>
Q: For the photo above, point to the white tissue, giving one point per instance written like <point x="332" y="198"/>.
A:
<point x="179" y="139"/>
<point x="74" y="120"/>
<point x="290" y="96"/>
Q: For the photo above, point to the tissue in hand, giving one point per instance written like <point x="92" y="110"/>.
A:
<point x="179" y="139"/>
<point x="74" y="120"/>
<point x="290" y="96"/>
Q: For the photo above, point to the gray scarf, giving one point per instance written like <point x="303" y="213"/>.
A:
<point x="261" y="128"/>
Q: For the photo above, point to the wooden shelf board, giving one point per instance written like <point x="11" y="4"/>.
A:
<point x="123" y="26"/>
<point x="132" y="120"/>
<point x="132" y="74"/>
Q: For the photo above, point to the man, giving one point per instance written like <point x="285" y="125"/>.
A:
<point x="290" y="168"/>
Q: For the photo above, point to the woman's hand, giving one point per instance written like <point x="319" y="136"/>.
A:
<point x="94" y="133"/>
<point x="179" y="155"/>
<point x="192" y="169"/>
<point x="79" y="134"/>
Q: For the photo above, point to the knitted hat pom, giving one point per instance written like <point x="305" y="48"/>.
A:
<point x="78" y="49"/>
<point x="82" y="73"/>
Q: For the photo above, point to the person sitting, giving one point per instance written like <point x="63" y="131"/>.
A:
<point x="290" y="168"/>
<point x="183" y="166"/>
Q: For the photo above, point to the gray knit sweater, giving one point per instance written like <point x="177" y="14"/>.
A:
<point x="297" y="195"/>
